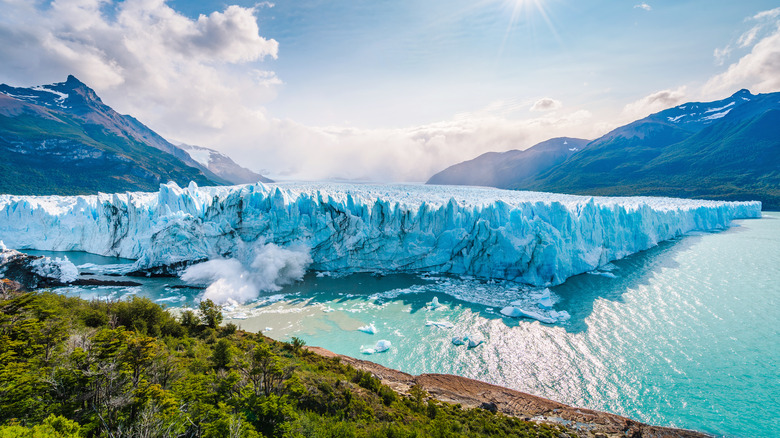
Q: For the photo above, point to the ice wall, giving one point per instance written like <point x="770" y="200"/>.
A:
<point x="535" y="238"/>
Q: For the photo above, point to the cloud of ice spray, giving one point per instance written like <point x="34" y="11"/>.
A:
<point x="265" y="268"/>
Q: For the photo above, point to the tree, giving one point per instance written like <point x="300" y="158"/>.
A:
<point x="222" y="354"/>
<point x="210" y="313"/>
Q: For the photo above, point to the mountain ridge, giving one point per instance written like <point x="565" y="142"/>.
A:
<point x="62" y="139"/>
<point x="727" y="149"/>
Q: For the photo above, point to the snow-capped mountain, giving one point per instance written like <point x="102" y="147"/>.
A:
<point x="727" y="149"/>
<point x="61" y="138"/>
<point x="221" y="165"/>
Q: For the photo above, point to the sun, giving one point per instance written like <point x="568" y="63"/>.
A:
<point x="527" y="10"/>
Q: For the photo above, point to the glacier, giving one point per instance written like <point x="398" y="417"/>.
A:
<point x="539" y="239"/>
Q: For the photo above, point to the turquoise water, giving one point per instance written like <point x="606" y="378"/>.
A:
<point x="684" y="335"/>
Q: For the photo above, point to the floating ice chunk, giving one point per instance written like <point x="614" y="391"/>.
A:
<point x="382" y="345"/>
<point x="475" y="340"/>
<point x="459" y="340"/>
<point x="433" y="305"/>
<point x="61" y="269"/>
<point x="268" y="329"/>
<point x="367" y="350"/>
<point x="328" y="310"/>
<point x="603" y="274"/>
<point x="545" y="301"/>
<point x="515" y="312"/>
<point x="440" y="324"/>
<point x="370" y="329"/>
<point x="609" y="267"/>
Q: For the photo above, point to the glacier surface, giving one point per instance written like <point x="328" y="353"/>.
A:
<point x="534" y="238"/>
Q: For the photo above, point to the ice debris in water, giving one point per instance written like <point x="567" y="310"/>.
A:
<point x="433" y="305"/>
<point x="516" y="312"/>
<point x="545" y="301"/>
<point x="534" y="238"/>
<point x="440" y="324"/>
<point x="380" y="347"/>
<point x="471" y="340"/>
<point x="370" y="329"/>
<point x="475" y="341"/>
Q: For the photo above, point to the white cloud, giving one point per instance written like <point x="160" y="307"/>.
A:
<point x="655" y="102"/>
<point x="748" y="37"/>
<point x="644" y="6"/>
<point x="405" y="154"/>
<point x="758" y="70"/>
<point x="722" y="54"/>
<point x="770" y="14"/>
<point x="546" y="104"/>
<point x="143" y="58"/>
<point x="201" y="81"/>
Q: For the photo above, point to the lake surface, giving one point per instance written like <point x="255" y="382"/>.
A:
<point x="684" y="335"/>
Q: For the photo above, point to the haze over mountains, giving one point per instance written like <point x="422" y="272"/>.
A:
<point x="727" y="149"/>
<point x="62" y="139"/>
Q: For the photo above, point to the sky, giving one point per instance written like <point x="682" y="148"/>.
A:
<point x="389" y="90"/>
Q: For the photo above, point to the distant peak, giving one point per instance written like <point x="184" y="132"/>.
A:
<point x="73" y="82"/>
<point x="743" y="92"/>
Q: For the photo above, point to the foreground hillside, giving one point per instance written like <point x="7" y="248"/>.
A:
<point x="73" y="368"/>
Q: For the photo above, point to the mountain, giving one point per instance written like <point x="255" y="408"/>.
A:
<point x="727" y="149"/>
<point x="504" y="169"/>
<point x="222" y="166"/>
<point x="62" y="139"/>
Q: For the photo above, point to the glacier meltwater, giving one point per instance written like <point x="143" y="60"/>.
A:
<point x="534" y="238"/>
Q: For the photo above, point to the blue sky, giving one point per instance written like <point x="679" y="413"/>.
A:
<point x="390" y="90"/>
<point x="336" y="58"/>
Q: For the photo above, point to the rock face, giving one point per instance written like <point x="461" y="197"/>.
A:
<point x="33" y="272"/>
<point x="475" y="394"/>
<point x="534" y="238"/>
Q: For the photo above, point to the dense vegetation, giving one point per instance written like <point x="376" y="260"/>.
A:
<point x="68" y="156"/>
<point x="72" y="368"/>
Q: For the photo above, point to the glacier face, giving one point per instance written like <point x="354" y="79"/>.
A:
<point x="534" y="238"/>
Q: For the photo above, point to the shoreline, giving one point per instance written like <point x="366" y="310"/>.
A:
<point x="472" y="393"/>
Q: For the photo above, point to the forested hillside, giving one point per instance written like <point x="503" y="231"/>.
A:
<point x="72" y="368"/>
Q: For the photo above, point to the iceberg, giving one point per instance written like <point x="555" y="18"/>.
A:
<point x="439" y="324"/>
<point x="534" y="238"/>
<point x="516" y="312"/>
<point x="35" y="271"/>
<point x="435" y="304"/>
<point x="370" y="329"/>
<point x="459" y="340"/>
<point x="474" y="340"/>
<point x="545" y="300"/>
<point x="380" y="347"/>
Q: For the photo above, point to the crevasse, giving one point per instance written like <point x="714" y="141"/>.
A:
<point x="534" y="238"/>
